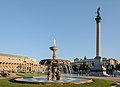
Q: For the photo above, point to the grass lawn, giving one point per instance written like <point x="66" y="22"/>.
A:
<point x="97" y="83"/>
<point x="30" y="74"/>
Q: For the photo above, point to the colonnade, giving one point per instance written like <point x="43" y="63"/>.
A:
<point x="19" y="67"/>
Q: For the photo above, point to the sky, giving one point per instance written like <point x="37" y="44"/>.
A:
<point x="28" y="27"/>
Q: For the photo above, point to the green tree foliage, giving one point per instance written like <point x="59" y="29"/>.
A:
<point x="75" y="67"/>
<point x="84" y="67"/>
<point x="76" y="59"/>
<point x="117" y="67"/>
<point x="85" y="58"/>
<point x="110" y="69"/>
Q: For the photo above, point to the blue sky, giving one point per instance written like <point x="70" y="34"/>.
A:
<point x="27" y="27"/>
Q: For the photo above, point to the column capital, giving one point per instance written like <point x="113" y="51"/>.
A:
<point x="98" y="57"/>
<point x="98" y="19"/>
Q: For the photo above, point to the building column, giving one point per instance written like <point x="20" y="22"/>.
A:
<point x="31" y="67"/>
<point x="0" y="66"/>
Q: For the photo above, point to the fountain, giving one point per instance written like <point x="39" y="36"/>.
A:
<point x="54" y="72"/>
<point x="56" y="65"/>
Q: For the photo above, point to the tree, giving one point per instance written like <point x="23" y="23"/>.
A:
<point x="117" y="67"/>
<point x="85" y="58"/>
<point x="110" y="69"/>
<point x="75" y="67"/>
<point x="84" y="67"/>
<point x="76" y="59"/>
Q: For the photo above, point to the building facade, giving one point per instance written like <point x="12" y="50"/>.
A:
<point x="106" y="63"/>
<point x="15" y="63"/>
<point x="110" y="61"/>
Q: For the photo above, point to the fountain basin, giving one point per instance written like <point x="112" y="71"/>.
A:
<point x="43" y="80"/>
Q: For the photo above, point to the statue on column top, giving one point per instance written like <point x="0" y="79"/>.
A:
<point x="98" y="12"/>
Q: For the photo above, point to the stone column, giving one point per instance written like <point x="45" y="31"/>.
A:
<point x="98" y="68"/>
<point x="31" y="67"/>
<point x="98" y="35"/>
<point x="98" y="44"/>
<point x="0" y="66"/>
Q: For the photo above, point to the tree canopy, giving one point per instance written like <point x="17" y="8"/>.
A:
<point x="75" y="67"/>
<point x="117" y="67"/>
<point x="76" y="59"/>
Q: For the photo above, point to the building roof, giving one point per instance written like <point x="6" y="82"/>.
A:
<point x="2" y="54"/>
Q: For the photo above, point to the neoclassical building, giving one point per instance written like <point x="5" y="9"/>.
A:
<point x="106" y="62"/>
<point x="15" y="63"/>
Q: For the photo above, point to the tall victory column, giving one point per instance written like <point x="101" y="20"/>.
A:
<point x="98" y="69"/>
<point x="98" y="35"/>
